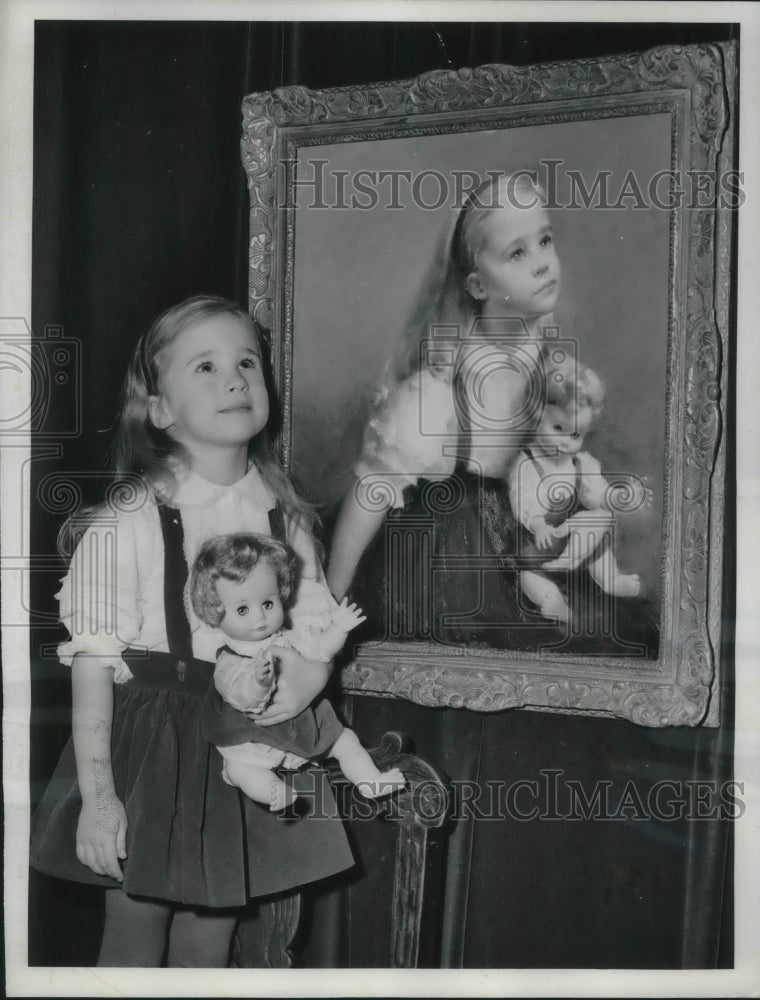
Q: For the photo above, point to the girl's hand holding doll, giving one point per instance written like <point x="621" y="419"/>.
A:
<point x="288" y="682"/>
<point x="543" y="533"/>
<point x="260" y="673"/>
<point x="299" y="681"/>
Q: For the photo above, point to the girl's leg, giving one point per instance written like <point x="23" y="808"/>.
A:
<point x="545" y="594"/>
<point x="200" y="939"/>
<point x="259" y="784"/>
<point x="135" y="931"/>
<point x="360" y="769"/>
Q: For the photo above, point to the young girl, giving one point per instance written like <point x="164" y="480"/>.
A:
<point x="137" y="803"/>
<point x="464" y="392"/>
<point x="554" y="485"/>
<point x="241" y="585"/>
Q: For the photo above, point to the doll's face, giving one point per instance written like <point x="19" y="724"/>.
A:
<point x="563" y="428"/>
<point x="252" y="609"/>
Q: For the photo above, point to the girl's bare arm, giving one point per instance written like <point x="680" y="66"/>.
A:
<point x="102" y="827"/>
<point x="357" y="526"/>
<point x="501" y="420"/>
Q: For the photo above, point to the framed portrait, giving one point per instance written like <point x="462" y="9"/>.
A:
<point x="352" y="192"/>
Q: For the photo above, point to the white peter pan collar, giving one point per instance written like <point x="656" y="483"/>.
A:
<point x="195" y="491"/>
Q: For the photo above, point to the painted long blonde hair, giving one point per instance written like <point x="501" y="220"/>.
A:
<point x="444" y="301"/>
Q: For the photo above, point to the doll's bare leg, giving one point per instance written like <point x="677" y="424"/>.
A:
<point x="545" y="594"/>
<point x="586" y="531"/>
<point x="259" y="784"/>
<point x="360" y="769"/>
<point x="604" y="571"/>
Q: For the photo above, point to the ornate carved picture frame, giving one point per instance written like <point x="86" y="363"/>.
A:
<point x="350" y="189"/>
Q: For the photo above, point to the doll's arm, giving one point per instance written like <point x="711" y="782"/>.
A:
<point x="627" y="493"/>
<point x="345" y="618"/>
<point x="331" y="641"/>
<point x="245" y="682"/>
<point x="102" y="827"/>
<point x="323" y="645"/>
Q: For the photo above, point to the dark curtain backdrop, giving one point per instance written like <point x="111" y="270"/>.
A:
<point x="140" y="201"/>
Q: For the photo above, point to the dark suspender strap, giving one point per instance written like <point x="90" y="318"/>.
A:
<point x="577" y="465"/>
<point x="532" y="457"/>
<point x="277" y="522"/>
<point x="175" y="577"/>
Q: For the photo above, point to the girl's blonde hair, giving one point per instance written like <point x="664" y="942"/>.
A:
<point x="444" y="300"/>
<point x="141" y="449"/>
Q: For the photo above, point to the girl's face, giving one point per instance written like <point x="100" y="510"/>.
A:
<point x="516" y="272"/>
<point x="211" y="389"/>
<point x="252" y="609"/>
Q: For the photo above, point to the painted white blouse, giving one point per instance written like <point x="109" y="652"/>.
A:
<point x="414" y="434"/>
<point x="113" y="594"/>
<point x="416" y="431"/>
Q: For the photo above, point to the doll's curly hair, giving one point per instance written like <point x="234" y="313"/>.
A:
<point x="570" y="383"/>
<point x="233" y="557"/>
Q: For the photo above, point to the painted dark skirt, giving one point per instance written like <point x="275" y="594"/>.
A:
<point x="445" y="569"/>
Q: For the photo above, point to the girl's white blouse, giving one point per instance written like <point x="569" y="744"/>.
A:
<point x="413" y="434"/>
<point x="113" y="594"/>
<point x="416" y="431"/>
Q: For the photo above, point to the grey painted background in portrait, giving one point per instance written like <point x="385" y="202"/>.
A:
<point x="359" y="273"/>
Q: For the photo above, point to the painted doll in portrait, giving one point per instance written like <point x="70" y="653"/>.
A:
<point x="554" y="485"/>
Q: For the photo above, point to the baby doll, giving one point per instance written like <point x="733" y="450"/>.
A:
<point x="556" y="488"/>
<point x="240" y="585"/>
